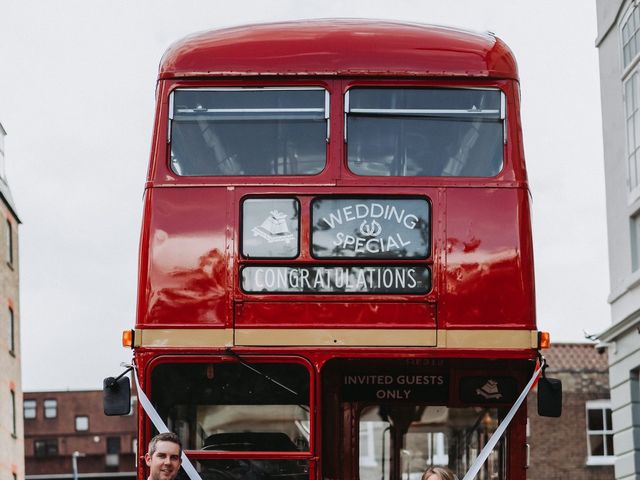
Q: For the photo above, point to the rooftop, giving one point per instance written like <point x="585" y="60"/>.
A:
<point x="339" y="47"/>
<point x="574" y="357"/>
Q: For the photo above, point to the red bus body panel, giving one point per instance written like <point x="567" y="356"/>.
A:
<point x="481" y="255"/>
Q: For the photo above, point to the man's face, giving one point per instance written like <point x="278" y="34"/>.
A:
<point x="165" y="462"/>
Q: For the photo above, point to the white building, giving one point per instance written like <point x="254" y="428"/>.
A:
<point x="618" y="43"/>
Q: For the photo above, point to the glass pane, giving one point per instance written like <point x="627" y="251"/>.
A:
<point x="113" y="445"/>
<point x="628" y="95"/>
<point x="425" y="132"/>
<point x="609" y="442"/>
<point x="82" y="424"/>
<point x="636" y="134"/>
<point x="50" y="408"/>
<point x="607" y="414"/>
<point x="253" y="469"/>
<point x="438" y="435"/>
<point x="596" y="444"/>
<point x="29" y="409"/>
<point x="464" y="102"/>
<point x="625" y="32"/>
<point x="270" y="227"/>
<point x="370" y="228"/>
<point x="595" y="419"/>
<point x="235" y="406"/>
<point x="231" y="132"/>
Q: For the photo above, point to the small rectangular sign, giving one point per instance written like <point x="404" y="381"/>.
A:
<point x="484" y="390"/>
<point x="407" y="386"/>
<point x="408" y="279"/>
<point x="270" y="227"/>
<point x="370" y="228"/>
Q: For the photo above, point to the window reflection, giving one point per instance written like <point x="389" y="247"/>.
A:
<point x="425" y="132"/>
<point x="248" y="132"/>
<point x="235" y="406"/>
<point x="436" y="435"/>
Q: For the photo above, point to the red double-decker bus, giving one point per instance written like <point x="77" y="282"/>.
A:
<point x="336" y="275"/>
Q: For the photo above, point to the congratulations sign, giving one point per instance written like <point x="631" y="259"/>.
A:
<point x="336" y="279"/>
<point x="370" y="228"/>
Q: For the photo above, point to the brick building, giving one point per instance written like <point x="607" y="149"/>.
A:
<point x="11" y="431"/>
<point x="579" y="444"/>
<point x="57" y="424"/>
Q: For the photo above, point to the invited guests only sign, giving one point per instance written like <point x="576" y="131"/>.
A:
<point x="431" y="387"/>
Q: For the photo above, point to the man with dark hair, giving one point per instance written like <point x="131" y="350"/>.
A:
<point x="164" y="456"/>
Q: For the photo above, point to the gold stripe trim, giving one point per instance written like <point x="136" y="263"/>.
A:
<point x="327" y="337"/>
<point x="184" y="337"/>
<point x="488" y="338"/>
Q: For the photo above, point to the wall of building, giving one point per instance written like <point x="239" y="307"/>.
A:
<point x="11" y="427"/>
<point x="558" y="446"/>
<point x="93" y="443"/>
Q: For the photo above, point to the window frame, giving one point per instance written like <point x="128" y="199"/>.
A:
<point x="14" y="414"/>
<point x="9" y="239"/>
<point x="46" y="443"/>
<point x="347" y="110"/>
<point x="607" y="458"/>
<point x="631" y="71"/>
<point x="35" y="408"/>
<point x="253" y="360"/>
<point x="80" y="417"/>
<point x="48" y="408"/>
<point x="631" y="11"/>
<point x="12" y="331"/>
<point x="243" y="226"/>
<point x="171" y="113"/>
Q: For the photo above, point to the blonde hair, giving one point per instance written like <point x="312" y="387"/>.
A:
<point x="443" y="473"/>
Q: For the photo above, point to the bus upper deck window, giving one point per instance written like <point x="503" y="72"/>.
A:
<point x="417" y="132"/>
<point x="248" y="131"/>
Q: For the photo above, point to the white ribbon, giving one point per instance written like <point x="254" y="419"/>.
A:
<point x="161" y="426"/>
<point x="484" y="454"/>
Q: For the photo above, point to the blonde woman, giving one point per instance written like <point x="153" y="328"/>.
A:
<point x="439" y="473"/>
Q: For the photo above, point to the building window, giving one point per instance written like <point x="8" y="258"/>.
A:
<point x="632" y="122"/>
<point x="630" y="36"/>
<point x="30" y="409"/>
<point x="12" y="332"/>
<point x="9" y="243"/>
<point x="599" y="433"/>
<point x="13" y="413"/>
<point x="82" y="423"/>
<point x="45" y="448"/>
<point x="112" y="458"/>
<point x="50" y="408"/>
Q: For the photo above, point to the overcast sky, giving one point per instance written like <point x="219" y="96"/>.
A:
<point x="77" y="81"/>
